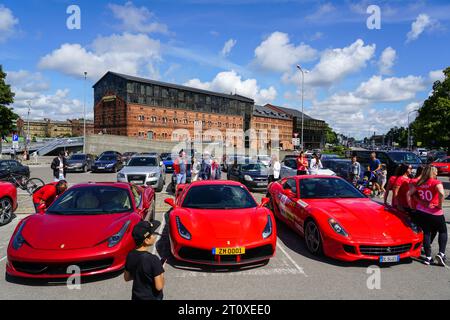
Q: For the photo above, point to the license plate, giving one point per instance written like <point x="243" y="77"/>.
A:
<point x="261" y="184"/>
<point x="228" y="251"/>
<point x="389" y="259"/>
<point x="101" y="168"/>
<point x="136" y="181"/>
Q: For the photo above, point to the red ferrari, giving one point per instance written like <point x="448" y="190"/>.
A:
<point x="8" y="202"/>
<point x="339" y="221"/>
<point x="442" y="165"/>
<point x="89" y="226"/>
<point x="220" y="223"/>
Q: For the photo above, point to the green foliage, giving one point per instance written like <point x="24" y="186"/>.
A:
<point x="6" y="98"/>
<point x="330" y="136"/>
<point x="398" y="135"/>
<point x="432" y="124"/>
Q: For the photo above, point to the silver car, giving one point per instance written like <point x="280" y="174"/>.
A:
<point x="144" y="170"/>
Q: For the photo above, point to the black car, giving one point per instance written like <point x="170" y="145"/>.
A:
<point x="110" y="153"/>
<point x="108" y="163"/>
<point x="255" y="176"/>
<point x="391" y="158"/>
<point x="8" y="167"/>
<point x="80" y="162"/>
<point x="339" y="166"/>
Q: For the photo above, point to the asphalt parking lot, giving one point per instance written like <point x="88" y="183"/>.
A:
<point x="292" y="274"/>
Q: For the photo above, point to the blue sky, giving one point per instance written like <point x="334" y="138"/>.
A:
<point x="359" y="81"/>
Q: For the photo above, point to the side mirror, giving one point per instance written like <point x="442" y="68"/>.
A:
<point x="170" y="202"/>
<point x="264" y="202"/>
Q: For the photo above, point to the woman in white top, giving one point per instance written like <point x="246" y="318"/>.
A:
<point x="315" y="164"/>
<point x="274" y="169"/>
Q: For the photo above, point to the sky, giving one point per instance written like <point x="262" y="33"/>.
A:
<point x="362" y="74"/>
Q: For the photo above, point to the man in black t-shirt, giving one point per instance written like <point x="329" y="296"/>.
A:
<point x="144" y="268"/>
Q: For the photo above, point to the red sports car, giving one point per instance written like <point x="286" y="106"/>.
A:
<point x="220" y="223"/>
<point x="338" y="220"/>
<point x="8" y="202"/>
<point x="442" y="165"/>
<point x="88" y="226"/>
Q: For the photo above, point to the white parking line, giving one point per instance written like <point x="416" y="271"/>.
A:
<point x="291" y="260"/>
<point x="3" y="258"/>
<point x="161" y="228"/>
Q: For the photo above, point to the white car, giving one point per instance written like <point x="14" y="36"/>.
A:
<point x="289" y="169"/>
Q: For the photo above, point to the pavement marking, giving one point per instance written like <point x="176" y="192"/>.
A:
<point x="300" y="269"/>
<point x="158" y="237"/>
<point x="256" y="272"/>
<point x="3" y="258"/>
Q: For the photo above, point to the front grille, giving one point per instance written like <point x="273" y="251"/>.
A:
<point x="189" y="253"/>
<point x="61" y="268"/>
<point x="260" y="179"/>
<point x="384" y="250"/>
<point x="136" y="177"/>
<point x="258" y="252"/>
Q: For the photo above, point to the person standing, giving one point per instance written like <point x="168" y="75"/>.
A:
<point x="315" y="165"/>
<point x="180" y="167"/>
<point x="382" y="180"/>
<point x="372" y="171"/>
<point x="196" y="166"/>
<point x="274" y="169"/>
<point x="354" y="171"/>
<point x="59" y="167"/>
<point x="390" y="187"/>
<point x="302" y="164"/>
<point x="428" y="193"/>
<point x="401" y="188"/>
<point x="44" y="197"/>
<point x="215" y="170"/>
<point x="143" y="268"/>
<point x="205" y="171"/>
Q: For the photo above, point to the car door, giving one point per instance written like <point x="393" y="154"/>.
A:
<point x="288" y="168"/>
<point x="286" y="200"/>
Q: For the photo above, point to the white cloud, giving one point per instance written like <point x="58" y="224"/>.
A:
<point x="27" y="81"/>
<point x="323" y="11"/>
<point x="422" y="22"/>
<point x="436" y="75"/>
<point x="136" y="19"/>
<point x="126" y="53"/>
<point x="230" y="82"/>
<point x="7" y="23"/>
<point x="276" y="53"/>
<point x="227" y="47"/>
<point x="390" y="89"/>
<point x="387" y="60"/>
<point x="336" y="64"/>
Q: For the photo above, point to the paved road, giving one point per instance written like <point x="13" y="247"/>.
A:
<point x="292" y="274"/>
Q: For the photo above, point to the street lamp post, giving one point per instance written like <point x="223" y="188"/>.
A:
<point x="303" y="85"/>
<point x="84" y="113"/>
<point x="28" y="125"/>
<point x="409" y="130"/>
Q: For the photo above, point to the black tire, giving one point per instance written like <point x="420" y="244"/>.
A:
<point x="6" y="211"/>
<point x="313" y="238"/>
<point x="84" y="169"/>
<point x="153" y="210"/>
<point x="160" y="186"/>
<point x="33" y="184"/>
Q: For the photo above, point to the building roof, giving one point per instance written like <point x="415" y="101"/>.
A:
<point x="263" y="111"/>
<point x="176" y="86"/>
<point x="290" y="112"/>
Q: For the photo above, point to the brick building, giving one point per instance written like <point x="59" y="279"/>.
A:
<point x="78" y="127"/>
<point x="48" y="128"/>
<point x="267" y="119"/>
<point x="137" y="107"/>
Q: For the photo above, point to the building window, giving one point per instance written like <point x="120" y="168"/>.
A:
<point x="164" y="120"/>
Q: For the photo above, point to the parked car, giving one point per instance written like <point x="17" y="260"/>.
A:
<point x="167" y="161"/>
<point x="80" y="162"/>
<point x="108" y="163"/>
<point x="338" y="166"/>
<point x="14" y="167"/>
<point x="109" y="153"/>
<point x="127" y="156"/>
<point x="330" y="156"/>
<point x="442" y="165"/>
<point x="255" y="176"/>
<point x="289" y="169"/>
<point x="8" y="202"/>
<point x="144" y="170"/>
<point x="231" y="159"/>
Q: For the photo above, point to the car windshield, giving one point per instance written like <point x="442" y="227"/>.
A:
<point x="253" y="167"/>
<point x="166" y="156"/>
<point x="324" y="188"/>
<point x="142" y="162"/>
<point x="78" y="157"/>
<point x="404" y="157"/>
<point x="218" y="197"/>
<point x="107" y="158"/>
<point x="443" y="159"/>
<point x="92" y="200"/>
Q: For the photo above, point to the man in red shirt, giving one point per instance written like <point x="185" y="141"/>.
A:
<point x="48" y="193"/>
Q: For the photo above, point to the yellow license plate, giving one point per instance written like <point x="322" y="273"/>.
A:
<point x="228" y="251"/>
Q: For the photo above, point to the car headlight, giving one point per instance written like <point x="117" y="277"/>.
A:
<point x="152" y="174"/>
<point x="184" y="233"/>
<point x="116" y="238"/>
<point x="268" y="228"/>
<point x="109" y="165"/>
<point x="337" y="227"/>
<point x="19" y="240"/>
<point x="120" y="176"/>
<point x="247" y="178"/>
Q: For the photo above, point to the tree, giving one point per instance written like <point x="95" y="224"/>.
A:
<point x="398" y="135"/>
<point x="7" y="116"/>
<point x="330" y="136"/>
<point x="431" y="127"/>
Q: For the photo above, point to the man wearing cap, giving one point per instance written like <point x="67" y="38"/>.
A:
<point x="144" y="268"/>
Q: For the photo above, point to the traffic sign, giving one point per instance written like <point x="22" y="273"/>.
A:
<point x="296" y="141"/>
<point x="15" y="137"/>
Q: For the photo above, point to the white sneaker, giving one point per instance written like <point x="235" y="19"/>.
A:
<point x="440" y="259"/>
